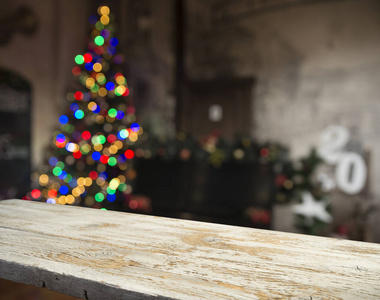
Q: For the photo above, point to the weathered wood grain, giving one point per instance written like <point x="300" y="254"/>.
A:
<point x="96" y="254"/>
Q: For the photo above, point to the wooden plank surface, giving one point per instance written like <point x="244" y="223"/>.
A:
<point x="96" y="254"/>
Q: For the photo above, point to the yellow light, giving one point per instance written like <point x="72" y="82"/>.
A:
<point x="106" y="151"/>
<point x="288" y="184"/>
<point x="123" y="166"/>
<point x="62" y="200"/>
<point x="70" y="199"/>
<point x="118" y="144"/>
<point x="110" y="119"/>
<point x="121" y="178"/>
<point x="44" y="179"/>
<point x="113" y="149"/>
<point x="114" y="183"/>
<point x="133" y="137"/>
<point x="99" y="119"/>
<point x="100" y="181"/>
<point x="97" y="67"/>
<point x="91" y="105"/>
<point x="141" y="131"/>
<point x="104" y="19"/>
<point x="80" y="181"/>
<point x="102" y="92"/>
<point x="98" y="147"/>
<point x="104" y="10"/>
<point x="120" y="89"/>
<point x="81" y="189"/>
<point x="90" y="82"/>
<point x="88" y="181"/>
<point x="76" y="192"/>
<point x="120" y="80"/>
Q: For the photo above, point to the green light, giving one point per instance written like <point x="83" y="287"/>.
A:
<point x="68" y="178"/>
<point x="110" y="191"/>
<point x="122" y="187"/>
<point x="117" y="93"/>
<point x="99" y="26"/>
<point x="60" y="164"/>
<point x="95" y="88"/>
<point x="101" y="79"/>
<point x="99" y="197"/>
<point x="57" y="171"/>
<point x="79" y="59"/>
<point x="101" y="139"/>
<point x="79" y="114"/>
<point x="103" y="208"/>
<point x="112" y="161"/>
<point x="112" y="113"/>
<point x="99" y="40"/>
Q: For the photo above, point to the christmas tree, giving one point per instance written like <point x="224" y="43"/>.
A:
<point x="91" y="164"/>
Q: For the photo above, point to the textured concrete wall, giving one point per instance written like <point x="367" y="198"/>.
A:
<point x="316" y="65"/>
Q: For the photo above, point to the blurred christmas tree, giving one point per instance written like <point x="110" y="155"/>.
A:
<point x="91" y="163"/>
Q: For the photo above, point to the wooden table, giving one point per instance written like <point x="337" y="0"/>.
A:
<point x="96" y="254"/>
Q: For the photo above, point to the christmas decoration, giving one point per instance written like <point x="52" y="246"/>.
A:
<point x="91" y="161"/>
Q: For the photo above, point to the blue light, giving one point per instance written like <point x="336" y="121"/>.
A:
<point x="50" y="200"/>
<point x="110" y="86"/>
<point x="114" y="42"/>
<point x="53" y="161"/>
<point x="111" y="51"/>
<point x="74" y="107"/>
<point x="135" y="127"/>
<point x="61" y="138"/>
<point x="63" y="175"/>
<point x="103" y="175"/>
<point x="122" y="158"/>
<point x="79" y="114"/>
<point x="63" y="119"/>
<point x="64" y="190"/>
<point x="73" y="183"/>
<point x="93" y="19"/>
<point x="111" y="197"/>
<point x="89" y="66"/>
<point x="96" y="156"/>
<point x="97" y="110"/>
<point x="119" y="115"/>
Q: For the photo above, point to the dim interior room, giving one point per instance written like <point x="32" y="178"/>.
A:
<point x="261" y="114"/>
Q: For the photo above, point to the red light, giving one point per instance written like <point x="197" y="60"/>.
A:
<point x="111" y="138"/>
<point x="117" y="75"/>
<point x="264" y="152"/>
<point x="93" y="175"/>
<point x="104" y="159"/>
<point x="126" y="93"/>
<point x="129" y="154"/>
<point x="87" y="58"/>
<point x="77" y="154"/>
<point x="26" y="198"/>
<point x="76" y="71"/>
<point x="133" y="204"/>
<point x="86" y="135"/>
<point x="78" y="95"/>
<point x="99" y="50"/>
<point x="36" y="194"/>
<point x="52" y="193"/>
<point x="60" y="145"/>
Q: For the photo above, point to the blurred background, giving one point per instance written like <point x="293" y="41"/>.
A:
<point x="258" y="113"/>
<point x="255" y="113"/>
